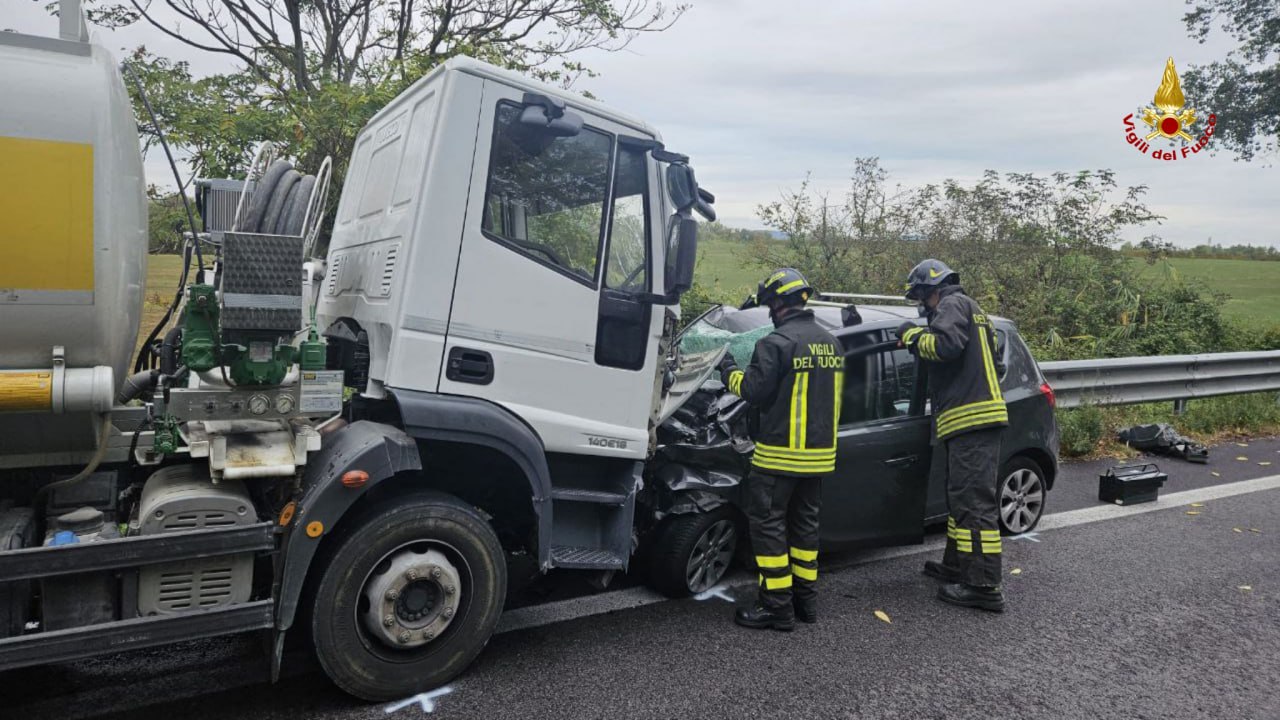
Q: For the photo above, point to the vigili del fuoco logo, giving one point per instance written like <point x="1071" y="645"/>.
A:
<point x="1171" y="120"/>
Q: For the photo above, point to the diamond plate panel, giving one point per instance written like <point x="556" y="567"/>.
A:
<point x="262" y="282"/>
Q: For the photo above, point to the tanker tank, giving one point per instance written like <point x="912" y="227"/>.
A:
<point x="73" y="243"/>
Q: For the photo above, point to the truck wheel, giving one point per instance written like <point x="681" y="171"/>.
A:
<point x="691" y="553"/>
<point x="1021" y="496"/>
<point x="409" y="596"/>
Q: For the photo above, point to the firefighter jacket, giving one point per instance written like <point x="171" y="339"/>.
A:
<point x="959" y="347"/>
<point x="793" y="384"/>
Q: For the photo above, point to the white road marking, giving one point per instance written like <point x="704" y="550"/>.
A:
<point x="1032" y="536"/>
<point x="538" y="615"/>
<point x="716" y="592"/>
<point x="426" y="701"/>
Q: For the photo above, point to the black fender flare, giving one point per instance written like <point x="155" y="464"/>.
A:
<point x="381" y="451"/>
<point x="469" y="420"/>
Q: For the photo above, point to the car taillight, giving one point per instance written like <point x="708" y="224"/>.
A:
<point x="1048" y="394"/>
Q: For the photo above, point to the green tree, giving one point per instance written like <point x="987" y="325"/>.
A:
<point x="310" y="74"/>
<point x="1244" y="87"/>
<point x="1041" y="250"/>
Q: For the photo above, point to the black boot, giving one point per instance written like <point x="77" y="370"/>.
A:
<point x="806" y="609"/>
<point x="939" y="571"/>
<point x="985" y="598"/>
<point x="760" y="618"/>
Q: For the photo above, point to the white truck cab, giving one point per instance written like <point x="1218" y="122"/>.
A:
<point x="486" y="257"/>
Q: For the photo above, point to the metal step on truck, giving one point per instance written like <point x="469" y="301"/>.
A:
<point x="348" y="450"/>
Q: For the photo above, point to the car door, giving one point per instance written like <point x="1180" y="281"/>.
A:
<point x="877" y="494"/>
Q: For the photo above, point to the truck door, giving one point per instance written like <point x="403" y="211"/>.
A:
<point x="549" y="317"/>
<point x="877" y="494"/>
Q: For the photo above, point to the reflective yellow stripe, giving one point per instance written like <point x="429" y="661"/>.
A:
<point x="784" y="466"/>
<point x="988" y="535"/>
<point x="835" y="426"/>
<point x="986" y="410"/>
<point x="929" y="347"/>
<point x="984" y="339"/>
<point x="804" y="555"/>
<point x="735" y="382"/>
<point x="777" y="583"/>
<point x="963" y="534"/>
<point x="797" y="454"/>
<point x="772" y="561"/>
<point x="804" y="573"/>
<point x="991" y="548"/>
<point x="964" y="547"/>
<point x="788" y="286"/>
<point x="909" y="336"/>
<point x="969" y="409"/>
<point x="992" y="417"/>
<point x="799" y="410"/>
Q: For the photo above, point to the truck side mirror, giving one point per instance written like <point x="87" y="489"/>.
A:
<point x="683" y="248"/>
<point x="682" y="187"/>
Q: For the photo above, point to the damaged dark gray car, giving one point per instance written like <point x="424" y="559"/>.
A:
<point x="883" y="491"/>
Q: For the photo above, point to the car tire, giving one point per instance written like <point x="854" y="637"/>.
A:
<point x="1021" y="495"/>
<point x="692" y="553"/>
<point x="462" y="605"/>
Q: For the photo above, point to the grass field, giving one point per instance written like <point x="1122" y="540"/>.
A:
<point x="1254" y="286"/>
<point x="163" y="272"/>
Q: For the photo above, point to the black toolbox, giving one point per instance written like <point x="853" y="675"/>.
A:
<point x="1131" y="484"/>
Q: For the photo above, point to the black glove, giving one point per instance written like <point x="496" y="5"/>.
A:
<point x="908" y="332"/>
<point x="749" y="303"/>
<point x="727" y="365"/>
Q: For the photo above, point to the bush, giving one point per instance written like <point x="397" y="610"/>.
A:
<point x="1082" y="430"/>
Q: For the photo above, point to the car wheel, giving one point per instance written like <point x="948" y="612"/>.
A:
<point x="1021" y="496"/>
<point x="408" y="597"/>
<point x="693" y="552"/>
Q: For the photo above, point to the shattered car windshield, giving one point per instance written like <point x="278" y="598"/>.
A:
<point x="721" y="326"/>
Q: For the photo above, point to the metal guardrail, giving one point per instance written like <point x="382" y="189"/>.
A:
<point x="1124" y="381"/>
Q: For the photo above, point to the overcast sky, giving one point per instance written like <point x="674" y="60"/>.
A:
<point x="761" y="92"/>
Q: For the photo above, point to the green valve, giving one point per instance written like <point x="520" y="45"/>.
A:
<point x="200" y="329"/>
<point x="166" y="435"/>
<point x="313" y="352"/>
<point x="260" y="363"/>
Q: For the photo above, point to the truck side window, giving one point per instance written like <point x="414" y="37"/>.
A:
<point x="546" y="199"/>
<point x="627" y="267"/>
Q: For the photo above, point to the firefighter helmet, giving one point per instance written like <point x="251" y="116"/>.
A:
<point x="787" y="285"/>
<point x="927" y="276"/>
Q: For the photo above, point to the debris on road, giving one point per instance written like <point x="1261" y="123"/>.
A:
<point x="1245" y="588"/>
<point x="1163" y="439"/>
<point x="1242" y="458"/>
<point x="1236" y="530"/>
<point x="1016" y="571"/>
<point x="1215" y="474"/>
<point x="883" y="616"/>
<point x="1193" y="512"/>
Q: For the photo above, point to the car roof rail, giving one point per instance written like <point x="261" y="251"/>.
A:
<point x="862" y="296"/>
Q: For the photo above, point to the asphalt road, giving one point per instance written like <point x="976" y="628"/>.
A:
<point x="1142" y="612"/>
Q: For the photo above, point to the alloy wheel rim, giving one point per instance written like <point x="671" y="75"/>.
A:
<point x="711" y="556"/>
<point x="1021" y="500"/>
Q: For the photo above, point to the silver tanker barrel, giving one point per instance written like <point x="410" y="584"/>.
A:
<point x="73" y="244"/>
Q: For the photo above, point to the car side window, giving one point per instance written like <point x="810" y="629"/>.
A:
<point x="879" y="384"/>
<point x="546" y="199"/>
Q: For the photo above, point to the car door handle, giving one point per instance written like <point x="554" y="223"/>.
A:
<point x="902" y="461"/>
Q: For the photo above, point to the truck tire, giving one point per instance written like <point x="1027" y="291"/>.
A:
<point x="17" y="531"/>
<point x="435" y="569"/>
<point x="693" y="552"/>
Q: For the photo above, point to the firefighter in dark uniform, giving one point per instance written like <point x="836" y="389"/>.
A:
<point x="793" y="386"/>
<point x="958" y="347"/>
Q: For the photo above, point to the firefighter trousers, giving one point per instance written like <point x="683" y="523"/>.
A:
<point x="783" y="516"/>
<point x="973" y="525"/>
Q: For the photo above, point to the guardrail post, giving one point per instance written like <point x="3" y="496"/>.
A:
<point x="1180" y="406"/>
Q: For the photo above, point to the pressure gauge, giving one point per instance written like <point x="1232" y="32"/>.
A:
<point x="259" y="404"/>
<point x="284" y="404"/>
